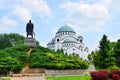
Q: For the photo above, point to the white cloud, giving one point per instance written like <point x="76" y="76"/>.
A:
<point x="26" y="9"/>
<point x="107" y="3"/>
<point x="38" y="6"/>
<point x="115" y="5"/>
<point x="87" y="17"/>
<point x="22" y="13"/>
<point x="7" y="23"/>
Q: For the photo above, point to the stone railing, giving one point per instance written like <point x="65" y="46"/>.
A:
<point x="53" y="72"/>
<point x="67" y="72"/>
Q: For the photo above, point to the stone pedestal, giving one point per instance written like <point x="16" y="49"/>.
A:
<point x="30" y="41"/>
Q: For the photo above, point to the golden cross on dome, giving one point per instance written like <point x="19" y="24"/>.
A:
<point x="65" y="22"/>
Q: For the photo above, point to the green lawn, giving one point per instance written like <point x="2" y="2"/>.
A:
<point x="68" y="78"/>
<point x="5" y="79"/>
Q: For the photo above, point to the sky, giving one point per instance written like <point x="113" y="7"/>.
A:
<point x="89" y="18"/>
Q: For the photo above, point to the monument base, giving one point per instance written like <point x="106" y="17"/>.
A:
<point x="30" y="42"/>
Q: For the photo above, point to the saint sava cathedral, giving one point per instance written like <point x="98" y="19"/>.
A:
<point x="71" y="44"/>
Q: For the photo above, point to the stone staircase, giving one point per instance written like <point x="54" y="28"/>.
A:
<point x="26" y="68"/>
<point x="27" y="71"/>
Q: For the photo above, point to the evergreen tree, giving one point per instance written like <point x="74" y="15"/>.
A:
<point x="103" y="54"/>
<point x="117" y="52"/>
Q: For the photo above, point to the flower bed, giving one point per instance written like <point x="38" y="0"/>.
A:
<point x="106" y="75"/>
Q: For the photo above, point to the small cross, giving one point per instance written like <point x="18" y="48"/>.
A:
<point x="65" y="23"/>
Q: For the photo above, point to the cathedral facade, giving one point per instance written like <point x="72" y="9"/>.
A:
<point x="71" y="44"/>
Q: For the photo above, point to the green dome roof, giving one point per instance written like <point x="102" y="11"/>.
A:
<point x="70" y="40"/>
<point x="51" y="42"/>
<point x="65" y="28"/>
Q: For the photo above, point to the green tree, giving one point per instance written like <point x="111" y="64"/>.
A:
<point x="117" y="52"/>
<point x="6" y="40"/>
<point x="104" y="55"/>
<point x="90" y="56"/>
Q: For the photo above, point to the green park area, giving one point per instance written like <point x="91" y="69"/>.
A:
<point x="69" y="78"/>
<point x="14" y="58"/>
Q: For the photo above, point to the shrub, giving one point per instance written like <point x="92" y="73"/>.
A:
<point x="100" y="75"/>
<point x="94" y="75"/>
<point x="116" y="77"/>
<point x="103" y="75"/>
<point x="115" y="72"/>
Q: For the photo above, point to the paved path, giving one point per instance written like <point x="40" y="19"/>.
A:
<point x="28" y="78"/>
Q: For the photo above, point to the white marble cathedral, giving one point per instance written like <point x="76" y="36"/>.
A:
<point x="71" y="44"/>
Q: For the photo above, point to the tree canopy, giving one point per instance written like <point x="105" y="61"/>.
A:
<point x="7" y="40"/>
<point x="117" y="52"/>
<point x="104" y="57"/>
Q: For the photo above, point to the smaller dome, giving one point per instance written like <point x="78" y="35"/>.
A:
<point x="70" y="40"/>
<point x="65" y="28"/>
<point x="51" y="42"/>
<point x="80" y="36"/>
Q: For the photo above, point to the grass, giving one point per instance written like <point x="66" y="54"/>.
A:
<point x="68" y="78"/>
<point x="5" y="79"/>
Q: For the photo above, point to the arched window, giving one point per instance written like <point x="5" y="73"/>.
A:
<point x="58" y="40"/>
<point x="81" y="40"/>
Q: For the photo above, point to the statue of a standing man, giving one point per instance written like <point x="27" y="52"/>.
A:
<point x="29" y="28"/>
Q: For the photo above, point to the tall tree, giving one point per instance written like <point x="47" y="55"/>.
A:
<point x="117" y="52"/>
<point x="105" y="58"/>
<point x="104" y="46"/>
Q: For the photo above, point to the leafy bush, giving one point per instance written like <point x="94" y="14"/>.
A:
<point x="115" y="72"/>
<point x="101" y="75"/>
<point x="54" y="60"/>
<point x="115" y="77"/>
<point x="13" y="59"/>
<point x="104" y="75"/>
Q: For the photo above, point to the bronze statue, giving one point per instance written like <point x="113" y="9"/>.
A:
<point x="29" y="28"/>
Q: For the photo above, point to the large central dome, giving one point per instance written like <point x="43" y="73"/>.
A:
<point x="65" y="28"/>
